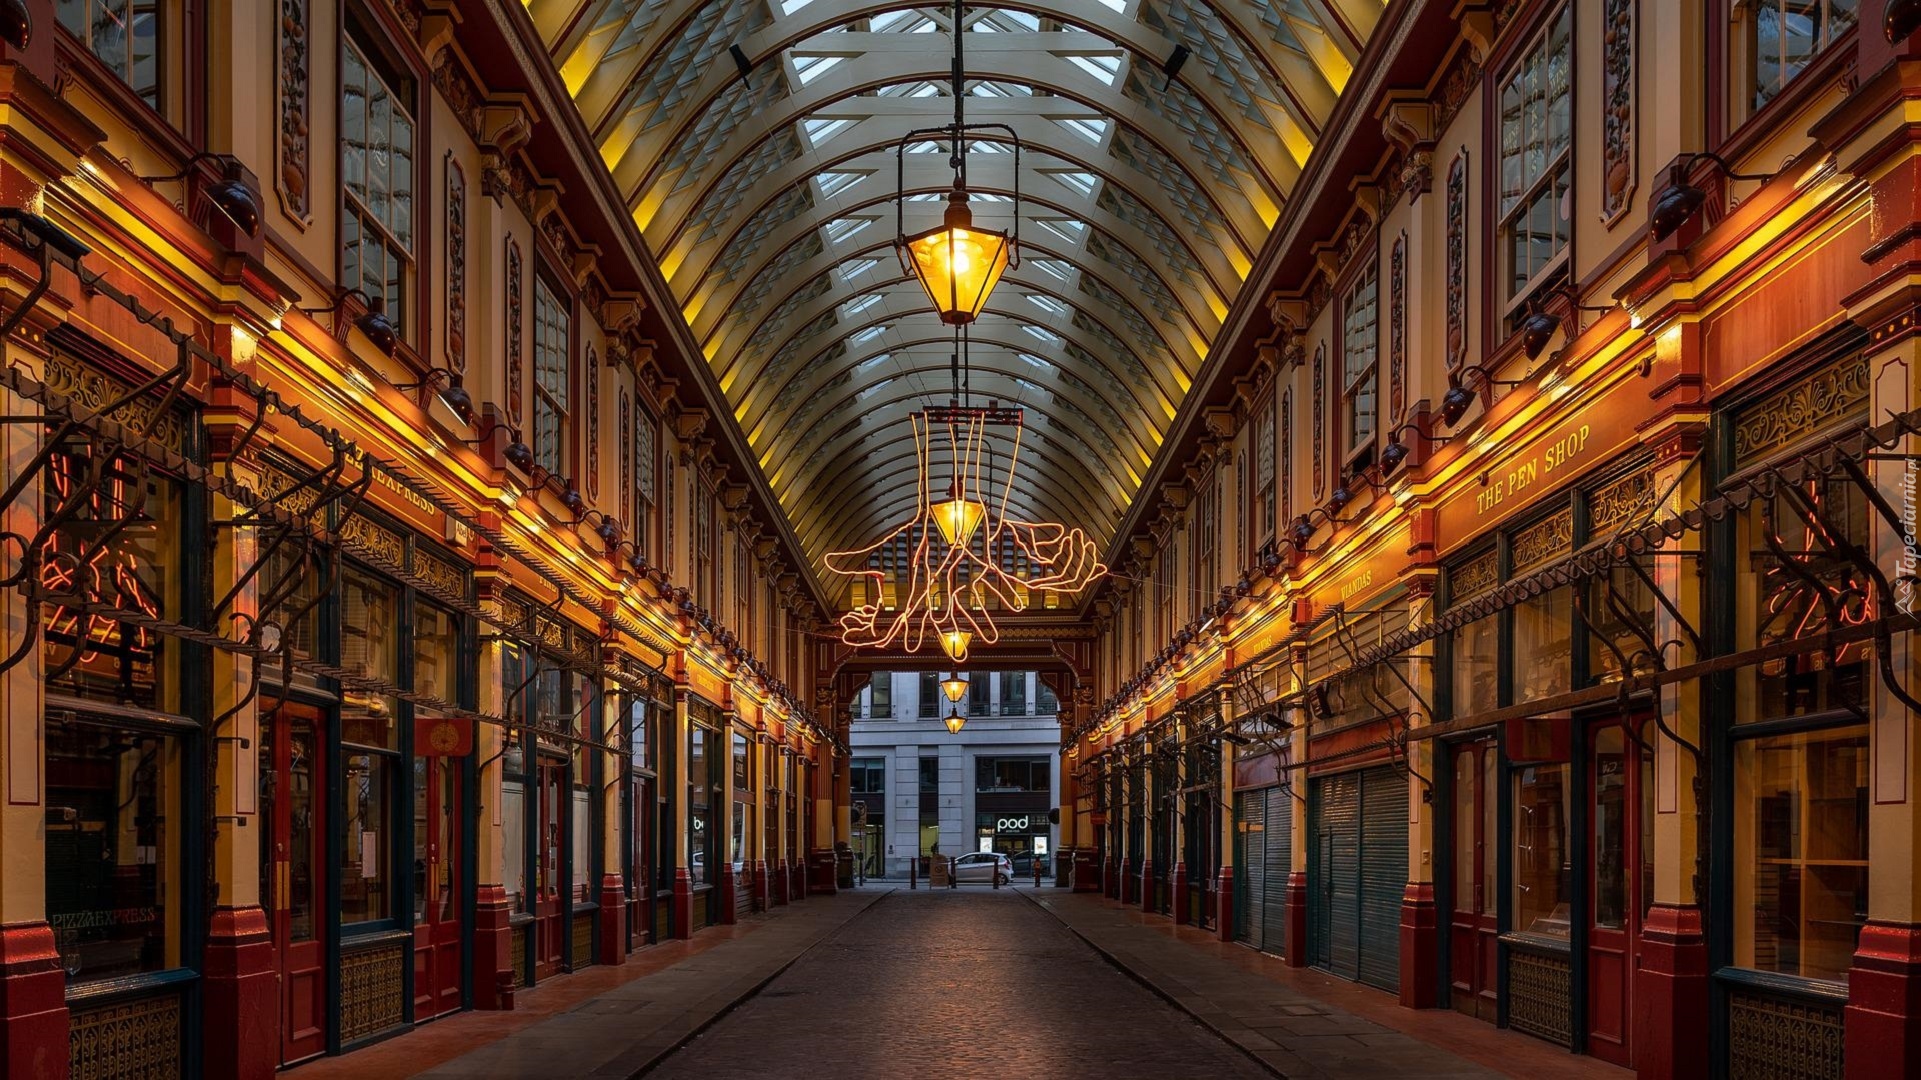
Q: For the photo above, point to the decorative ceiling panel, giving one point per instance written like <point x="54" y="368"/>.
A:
<point x="769" y="199"/>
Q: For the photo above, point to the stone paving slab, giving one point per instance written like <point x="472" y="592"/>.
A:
<point x="955" y="983"/>
<point x="625" y="1030"/>
<point x="1250" y="1000"/>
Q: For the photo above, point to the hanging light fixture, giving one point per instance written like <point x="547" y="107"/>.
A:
<point x="957" y="263"/>
<point x="954" y="643"/>
<point x="955" y="722"/>
<point x="954" y="686"/>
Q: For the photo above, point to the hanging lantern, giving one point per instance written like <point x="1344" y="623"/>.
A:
<point x="954" y="644"/>
<point x="958" y="517"/>
<point x="955" y="721"/>
<point x="958" y="264"/>
<point x="955" y="687"/>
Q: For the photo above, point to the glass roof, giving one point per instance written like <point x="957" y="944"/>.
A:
<point x="769" y="200"/>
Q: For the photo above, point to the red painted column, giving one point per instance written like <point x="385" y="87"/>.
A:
<point x="728" y="894"/>
<point x="493" y="949"/>
<point x="242" y="997"/>
<point x="1110" y="880"/>
<point x="1224" y="903"/>
<point x="1883" y="1016"/>
<point x="613" y="908"/>
<point x="33" y="1003"/>
<point x="1671" y="995"/>
<point x="779" y="875"/>
<point x="1420" y="946"/>
<point x="1181" y="903"/>
<point x="683" y="904"/>
<point x="1297" y="919"/>
<point x="1146" y="896"/>
<point x="761" y="897"/>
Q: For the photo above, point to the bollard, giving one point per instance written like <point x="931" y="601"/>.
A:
<point x="953" y="879"/>
<point x="1037" y="872"/>
<point x="913" y="873"/>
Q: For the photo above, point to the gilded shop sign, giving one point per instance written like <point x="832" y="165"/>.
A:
<point x="1544" y="464"/>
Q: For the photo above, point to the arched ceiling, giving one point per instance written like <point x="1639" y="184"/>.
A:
<point x="769" y="200"/>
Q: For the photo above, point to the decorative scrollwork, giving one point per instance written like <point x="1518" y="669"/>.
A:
<point x="1823" y="398"/>
<point x="1538" y="544"/>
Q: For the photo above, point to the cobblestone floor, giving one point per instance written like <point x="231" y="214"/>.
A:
<point x="962" y="983"/>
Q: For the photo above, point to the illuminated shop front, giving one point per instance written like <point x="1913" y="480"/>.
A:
<point x="550" y="815"/>
<point x="125" y="735"/>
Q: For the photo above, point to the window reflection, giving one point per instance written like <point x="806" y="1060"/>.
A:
<point x="112" y="850"/>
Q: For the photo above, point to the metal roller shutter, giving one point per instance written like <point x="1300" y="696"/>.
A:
<point x="1250" y="866"/>
<point x="1383" y="875"/>
<point x="1334" y="875"/>
<point x="1279" y="859"/>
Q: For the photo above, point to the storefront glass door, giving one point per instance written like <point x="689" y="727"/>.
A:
<point x="550" y="929"/>
<point x="437" y="868"/>
<point x="1616" y="888"/>
<point x="292" y="879"/>
<point x="1474" y="920"/>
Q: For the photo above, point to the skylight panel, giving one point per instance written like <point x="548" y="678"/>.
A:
<point x="901" y="21"/>
<point x="926" y="146"/>
<point x="1054" y="268"/>
<point x="1093" y="130"/>
<point x="1117" y="5"/>
<point x="854" y="268"/>
<point x="819" y="130"/>
<point x="1034" y="361"/>
<point x="833" y="183"/>
<point x="987" y="196"/>
<point x="1081" y="183"/>
<point x="1041" y="333"/>
<point x="841" y="229"/>
<point x="1002" y="19"/>
<point x="807" y="68"/>
<point x="859" y="304"/>
<point x="1047" y="303"/>
<point x="1106" y="68"/>
<point x="1067" y="229"/>
<point x="862" y="337"/>
<point x="788" y="7"/>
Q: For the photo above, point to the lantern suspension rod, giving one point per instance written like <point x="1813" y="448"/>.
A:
<point x="959" y="160"/>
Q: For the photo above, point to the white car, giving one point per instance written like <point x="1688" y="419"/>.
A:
<point x="983" y="867"/>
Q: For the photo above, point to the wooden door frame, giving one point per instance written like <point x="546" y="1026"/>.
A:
<point x="323" y="895"/>
<point x="1633" y="727"/>
<point x="1485" y="746"/>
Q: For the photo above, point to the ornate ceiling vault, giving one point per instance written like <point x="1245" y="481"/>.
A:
<point x="768" y="197"/>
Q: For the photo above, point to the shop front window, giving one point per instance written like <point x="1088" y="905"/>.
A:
<point x="699" y="803"/>
<point x="743" y="803"/>
<point x="1543" y="874"/>
<point x="513" y="830"/>
<point x="1543" y="646"/>
<point x="1793" y="585"/>
<point x="365" y="869"/>
<point x="113" y="850"/>
<point x="1617" y="607"/>
<point x="135" y="572"/>
<point x="436" y="652"/>
<point x="1474" y="667"/>
<point x="369" y="647"/>
<point x="582" y="826"/>
<point x="1801" y="851"/>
